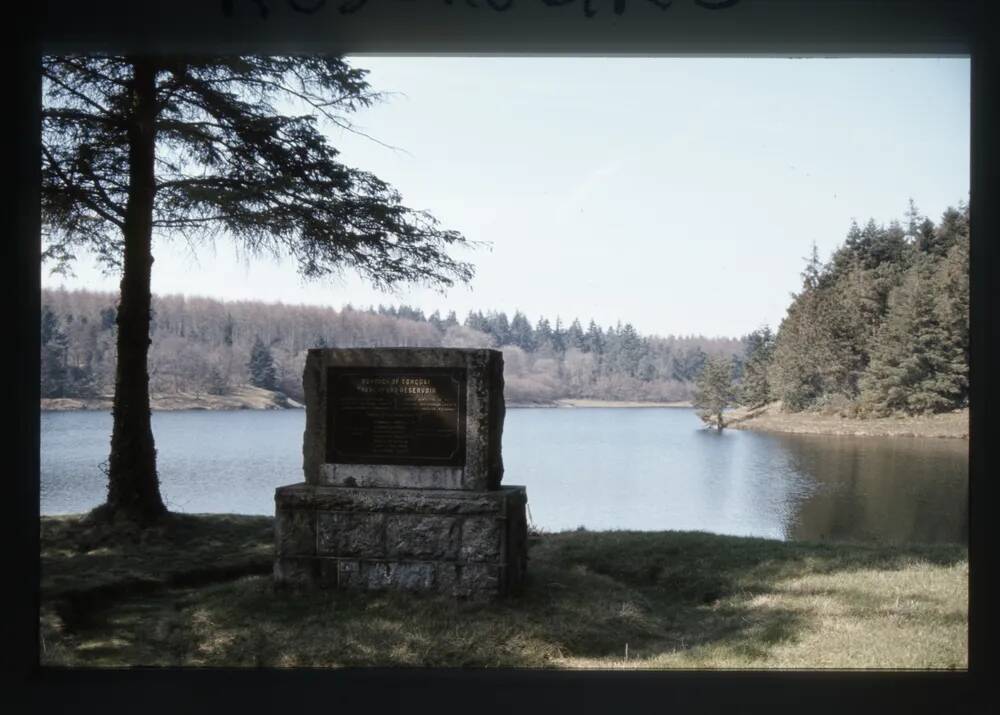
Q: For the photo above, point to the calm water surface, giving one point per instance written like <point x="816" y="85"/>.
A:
<point x="600" y="468"/>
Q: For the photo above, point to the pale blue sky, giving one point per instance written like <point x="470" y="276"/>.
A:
<point x="676" y="194"/>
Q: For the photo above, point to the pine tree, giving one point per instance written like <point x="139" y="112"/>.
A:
<point x="559" y="337"/>
<point x="261" y="366"/>
<point x="814" y="269"/>
<point x="818" y="353"/>
<point x="646" y="370"/>
<point x="543" y="335"/>
<point x="49" y="327"/>
<point x="629" y="351"/>
<point x="574" y="336"/>
<point x="755" y="389"/>
<point x="108" y="316"/>
<point x="227" y="330"/>
<point x="408" y="312"/>
<point x="714" y="391"/>
<point x="499" y="328"/>
<point x="688" y="364"/>
<point x="913" y="365"/>
<point x="142" y="145"/>
<point x="521" y="333"/>
<point x="951" y="286"/>
<point x="54" y="346"/>
<point x="954" y="225"/>
<point x="919" y="228"/>
<point x="794" y="375"/>
<point x="593" y="341"/>
<point x="477" y="321"/>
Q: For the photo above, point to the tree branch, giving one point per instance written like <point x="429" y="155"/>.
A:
<point x="80" y="193"/>
<point x="79" y="95"/>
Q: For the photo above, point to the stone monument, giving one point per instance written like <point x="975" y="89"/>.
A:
<point x="402" y="463"/>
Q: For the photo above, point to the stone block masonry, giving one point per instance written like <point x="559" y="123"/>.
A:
<point x="455" y="542"/>
<point x="402" y="463"/>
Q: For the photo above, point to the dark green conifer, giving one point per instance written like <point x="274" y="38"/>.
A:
<point x="261" y="366"/>
<point x="521" y="333"/>
<point x="919" y="362"/>
<point x="714" y="391"/>
<point x="755" y="389"/>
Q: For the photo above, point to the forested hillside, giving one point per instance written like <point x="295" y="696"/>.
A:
<point x="206" y="346"/>
<point x="881" y="328"/>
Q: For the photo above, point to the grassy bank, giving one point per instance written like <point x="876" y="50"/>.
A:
<point x="197" y="592"/>
<point x="771" y="419"/>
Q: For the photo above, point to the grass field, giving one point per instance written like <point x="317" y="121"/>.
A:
<point x="198" y="592"/>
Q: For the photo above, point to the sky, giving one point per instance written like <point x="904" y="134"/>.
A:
<point x="680" y="195"/>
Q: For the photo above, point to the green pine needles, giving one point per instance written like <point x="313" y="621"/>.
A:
<point x="882" y="328"/>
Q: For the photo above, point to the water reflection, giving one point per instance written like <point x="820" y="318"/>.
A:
<point x="900" y="490"/>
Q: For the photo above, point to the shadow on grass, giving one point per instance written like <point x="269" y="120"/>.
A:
<point x="691" y="589"/>
<point x="677" y="595"/>
<point x="86" y="566"/>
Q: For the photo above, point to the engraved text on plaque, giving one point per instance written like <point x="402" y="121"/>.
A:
<point x="396" y="415"/>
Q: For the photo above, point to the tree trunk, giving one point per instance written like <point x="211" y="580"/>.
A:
<point x="133" y="486"/>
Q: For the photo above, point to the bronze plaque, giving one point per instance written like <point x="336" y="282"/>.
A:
<point x="378" y="415"/>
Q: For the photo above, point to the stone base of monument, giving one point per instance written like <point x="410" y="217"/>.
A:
<point x="467" y="544"/>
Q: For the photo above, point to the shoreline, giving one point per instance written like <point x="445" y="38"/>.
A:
<point x="255" y="398"/>
<point x="240" y="398"/>
<point x="770" y="418"/>
<point x="586" y="402"/>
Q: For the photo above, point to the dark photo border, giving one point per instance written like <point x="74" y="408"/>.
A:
<point x="569" y="27"/>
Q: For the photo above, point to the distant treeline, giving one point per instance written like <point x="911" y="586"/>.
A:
<point x="881" y="328"/>
<point x="202" y="345"/>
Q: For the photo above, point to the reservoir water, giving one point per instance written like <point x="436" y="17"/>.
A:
<point x="647" y="469"/>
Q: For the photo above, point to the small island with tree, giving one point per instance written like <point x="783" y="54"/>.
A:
<point x="714" y="391"/>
